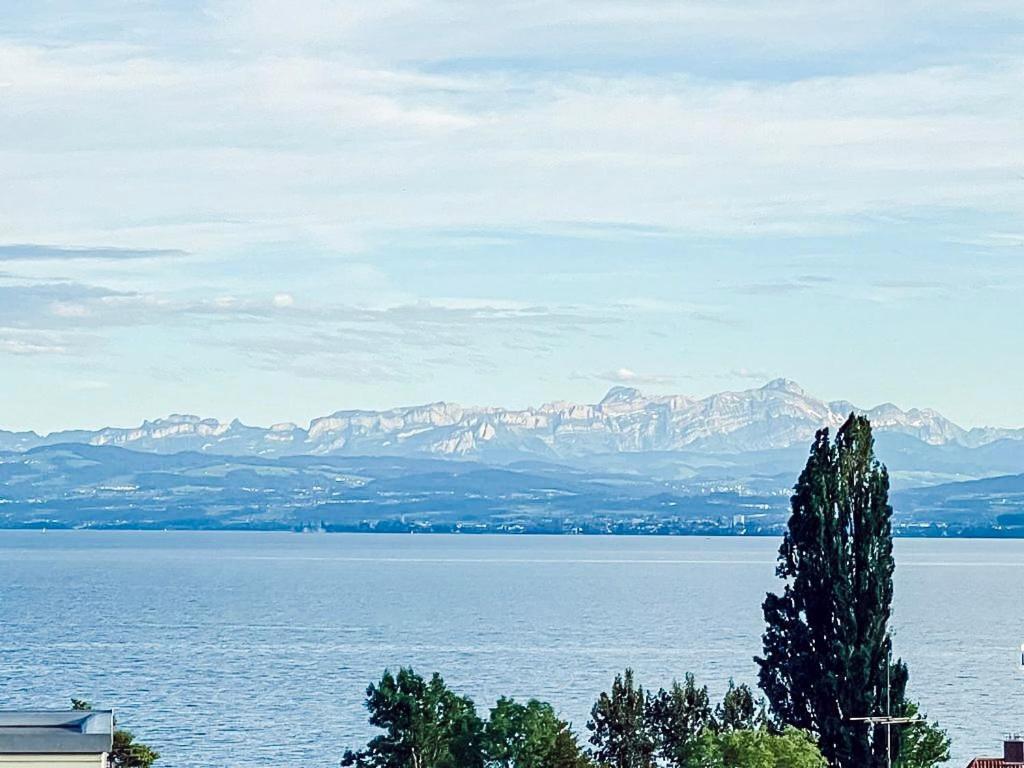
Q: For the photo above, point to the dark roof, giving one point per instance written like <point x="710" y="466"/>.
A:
<point x="71" y="732"/>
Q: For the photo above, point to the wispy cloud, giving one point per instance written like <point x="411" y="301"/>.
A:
<point x="36" y="252"/>
<point x="278" y="332"/>
<point x="42" y="306"/>
<point x="29" y="343"/>
<point x="752" y="374"/>
<point x="796" y="284"/>
<point x="632" y="378"/>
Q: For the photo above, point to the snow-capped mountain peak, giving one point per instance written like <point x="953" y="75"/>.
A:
<point x="777" y="415"/>
<point x="784" y="385"/>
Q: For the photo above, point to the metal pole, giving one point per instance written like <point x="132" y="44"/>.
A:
<point x="888" y="707"/>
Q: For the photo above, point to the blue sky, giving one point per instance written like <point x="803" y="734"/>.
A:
<point x="274" y="210"/>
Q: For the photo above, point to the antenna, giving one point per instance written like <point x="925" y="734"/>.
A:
<point x="887" y="719"/>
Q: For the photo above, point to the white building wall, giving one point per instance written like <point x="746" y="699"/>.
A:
<point x="53" y="761"/>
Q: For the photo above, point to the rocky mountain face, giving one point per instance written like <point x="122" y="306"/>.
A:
<point x="777" y="415"/>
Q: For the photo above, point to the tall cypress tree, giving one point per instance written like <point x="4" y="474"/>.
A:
<point x="826" y="643"/>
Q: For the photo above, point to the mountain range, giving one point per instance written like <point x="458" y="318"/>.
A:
<point x="629" y="463"/>
<point x="778" y="415"/>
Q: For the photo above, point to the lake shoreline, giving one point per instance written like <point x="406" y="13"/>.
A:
<point x="905" y="533"/>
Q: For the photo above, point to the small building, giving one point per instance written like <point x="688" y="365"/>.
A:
<point x="56" y="739"/>
<point x="1013" y="756"/>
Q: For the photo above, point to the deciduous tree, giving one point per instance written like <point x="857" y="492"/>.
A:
<point x="530" y="735"/>
<point x="923" y="744"/>
<point x="762" y="748"/>
<point x="426" y="725"/>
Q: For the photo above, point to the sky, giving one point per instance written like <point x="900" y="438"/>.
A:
<point x="275" y="210"/>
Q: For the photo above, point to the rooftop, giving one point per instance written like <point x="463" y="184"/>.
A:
<point x="73" y="732"/>
<point x="1013" y="755"/>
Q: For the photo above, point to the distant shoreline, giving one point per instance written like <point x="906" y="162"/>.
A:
<point x="979" y="534"/>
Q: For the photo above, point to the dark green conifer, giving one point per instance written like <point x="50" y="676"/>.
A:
<point x="679" y="717"/>
<point x="621" y="733"/>
<point x="739" y="710"/>
<point x="827" y="644"/>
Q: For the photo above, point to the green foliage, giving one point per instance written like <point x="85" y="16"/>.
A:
<point x="428" y="726"/>
<point x="739" y="710"/>
<point x="126" y="752"/>
<point x="567" y="752"/>
<point x="826" y="643"/>
<point x="620" y="731"/>
<point x="679" y="718"/>
<point x="530" y="735"/>
<point x="922" y="744"/>
<point x="760" y="748"/>
<point x="425" y="724"/>
<point x="679" y="727"/>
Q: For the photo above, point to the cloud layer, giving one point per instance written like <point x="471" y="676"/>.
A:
<point x="412" y="199"/>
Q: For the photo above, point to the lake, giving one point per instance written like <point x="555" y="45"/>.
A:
<point x="248" y="649"/>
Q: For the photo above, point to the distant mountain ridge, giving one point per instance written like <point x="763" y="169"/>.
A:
<point x="73" y="485"/>
<point x="778" y="415"/>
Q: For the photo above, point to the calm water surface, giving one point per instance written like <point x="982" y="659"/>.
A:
<point x="237" y="649"/>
